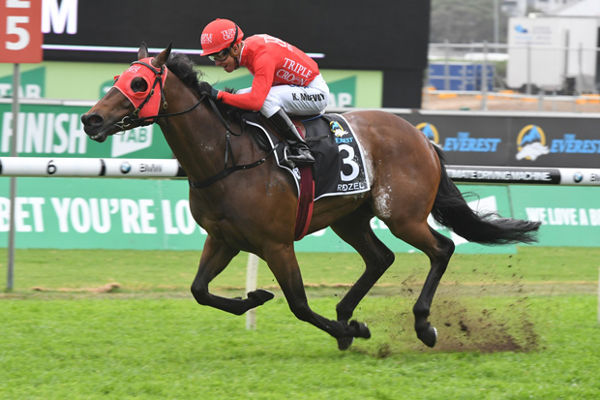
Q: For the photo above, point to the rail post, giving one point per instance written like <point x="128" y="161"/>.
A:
<point x="251" y="276"/>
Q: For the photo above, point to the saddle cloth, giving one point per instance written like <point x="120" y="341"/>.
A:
<point x="339" y="167"/>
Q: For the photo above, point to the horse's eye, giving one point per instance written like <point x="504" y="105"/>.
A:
<point x="139" y="85"/>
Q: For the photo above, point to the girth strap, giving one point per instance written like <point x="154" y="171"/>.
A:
<point x="228" y="154"/>
<point x="225" y="172"/>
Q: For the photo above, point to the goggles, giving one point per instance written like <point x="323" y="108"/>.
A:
<point x="220" y="56"/>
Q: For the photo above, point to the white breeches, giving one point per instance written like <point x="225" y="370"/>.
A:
<point x="296" y="100"/>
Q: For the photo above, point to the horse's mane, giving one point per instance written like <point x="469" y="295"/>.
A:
<point x="182" y="66"/>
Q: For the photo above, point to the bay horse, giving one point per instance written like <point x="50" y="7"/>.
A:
<point x="254" y="209"/>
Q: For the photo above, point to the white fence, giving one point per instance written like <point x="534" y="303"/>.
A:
<point x="170" y="168"/>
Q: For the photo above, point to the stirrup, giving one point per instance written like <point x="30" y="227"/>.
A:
<point x="300" y="156"/>
<point x="286" y="161"/>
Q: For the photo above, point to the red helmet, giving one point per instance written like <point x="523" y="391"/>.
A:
<point x="218" y="35"/>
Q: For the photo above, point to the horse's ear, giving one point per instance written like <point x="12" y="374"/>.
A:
<point x="143" y="51"/>
<point x="163" y="56"/>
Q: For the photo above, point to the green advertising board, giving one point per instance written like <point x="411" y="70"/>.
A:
<point x="110" y="213"/>
<point x="90" y="81"/>
<point x="66" y="213"/>
<point x="33" y="83"/>
<point x="570" y="216"/>
<point x="56" y="131"/>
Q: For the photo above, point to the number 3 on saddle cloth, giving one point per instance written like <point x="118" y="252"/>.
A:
<point x="339" y="168"/>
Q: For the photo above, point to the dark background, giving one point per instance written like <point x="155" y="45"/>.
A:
<point x="353" y="34"/>
<point x="507" y="128"/>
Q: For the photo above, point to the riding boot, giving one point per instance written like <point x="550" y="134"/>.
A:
<point x="299" y="152"/>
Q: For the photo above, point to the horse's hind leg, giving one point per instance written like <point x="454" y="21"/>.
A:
<point x="439" y="249"/>
<point x="355" y="230"/>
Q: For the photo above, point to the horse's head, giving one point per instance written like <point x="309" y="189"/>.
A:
<point x="134" y="100"/>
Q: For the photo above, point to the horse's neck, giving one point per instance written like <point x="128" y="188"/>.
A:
<point x="196" y="138"/>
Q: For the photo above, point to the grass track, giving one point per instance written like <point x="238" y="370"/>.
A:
<point x="150" y="340"/>
<point x="156" y="271"/>
<point x="170" y="348"/>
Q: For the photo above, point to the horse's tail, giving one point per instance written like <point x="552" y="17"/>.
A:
<point x="450" y="209"/>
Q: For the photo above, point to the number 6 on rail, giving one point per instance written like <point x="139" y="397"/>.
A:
<point x="21" y="31"/>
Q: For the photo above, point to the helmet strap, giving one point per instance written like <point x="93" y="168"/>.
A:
<point x="234" y="36"/>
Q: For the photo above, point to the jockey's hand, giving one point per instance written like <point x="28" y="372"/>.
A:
<point x="208" y="90"/>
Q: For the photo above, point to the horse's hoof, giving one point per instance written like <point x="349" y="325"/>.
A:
<point x="428" y="335"/>
<point x="360" y="329"/>
<point x="260" y="296"/>
<point x="345" y="342"/>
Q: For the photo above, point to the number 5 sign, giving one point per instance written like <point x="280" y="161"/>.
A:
<point x="21" y="31"/>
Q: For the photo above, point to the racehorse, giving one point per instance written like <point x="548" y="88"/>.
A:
<point x="251" y="204"/>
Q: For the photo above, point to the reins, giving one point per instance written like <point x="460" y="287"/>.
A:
<point x="228" y="153"/>
<point x="131" y="120"/>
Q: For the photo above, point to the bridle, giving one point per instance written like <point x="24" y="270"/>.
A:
<point x="134" y="119"/>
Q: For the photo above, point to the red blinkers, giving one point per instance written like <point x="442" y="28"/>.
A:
<point x="147" y="102"/>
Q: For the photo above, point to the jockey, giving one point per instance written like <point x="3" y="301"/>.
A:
<point x="286" y="80"/>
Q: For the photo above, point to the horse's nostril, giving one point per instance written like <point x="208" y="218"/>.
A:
<point x="92" y="119"/>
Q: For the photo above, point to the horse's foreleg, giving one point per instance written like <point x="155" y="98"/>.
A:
<point x="282" y="262"/>
<point x="439" y="249"/>
<point x="215" y="257"/>
<point x="355" y="230"/>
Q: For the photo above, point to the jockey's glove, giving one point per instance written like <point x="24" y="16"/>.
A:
<point x="208" y="90"/>
<point x="214" y="94"/>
